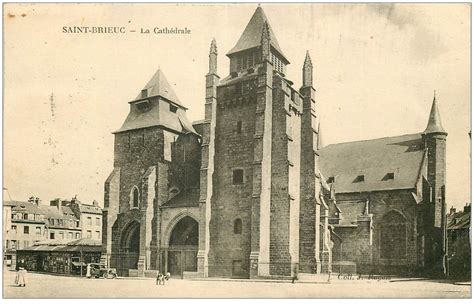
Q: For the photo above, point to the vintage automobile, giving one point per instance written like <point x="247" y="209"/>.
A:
<point x="101" y="271"/>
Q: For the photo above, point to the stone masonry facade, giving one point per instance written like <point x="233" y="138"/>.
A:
<point x="250" y="191"/>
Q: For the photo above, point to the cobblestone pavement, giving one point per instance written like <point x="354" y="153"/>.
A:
<point x="51" y="286"/>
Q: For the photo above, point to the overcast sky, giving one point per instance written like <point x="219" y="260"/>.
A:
<point x="375" y="69"/>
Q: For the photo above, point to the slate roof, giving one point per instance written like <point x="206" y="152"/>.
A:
<point x="401" y="155"/>
<point x="27" y="207"/>
<point x="434" y="121"/>
<point x="251" y="37"/>
<point x="158" y="85"/>
<point x="186" y="198"/>
<point x="65" y="213"/>
<point x="158" y="113"/>
<point x="459" y="220"/>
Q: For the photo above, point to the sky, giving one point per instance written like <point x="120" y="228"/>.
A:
<point x="376" y="67"/>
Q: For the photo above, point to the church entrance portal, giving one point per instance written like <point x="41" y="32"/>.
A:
<point x="129" y="249"/>
<point x="181" y="255"/>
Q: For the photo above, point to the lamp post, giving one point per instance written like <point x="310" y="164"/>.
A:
<point x="82" y="262"/>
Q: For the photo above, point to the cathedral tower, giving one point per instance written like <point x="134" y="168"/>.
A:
<point x="256" y="191"/>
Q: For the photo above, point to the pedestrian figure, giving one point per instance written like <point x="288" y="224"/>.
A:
<point x="88" y="271"/>
<point x="329" y="275"/>
<point x="20" y="279"/>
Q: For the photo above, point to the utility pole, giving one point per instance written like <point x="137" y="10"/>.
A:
<point x="82" y="262"/>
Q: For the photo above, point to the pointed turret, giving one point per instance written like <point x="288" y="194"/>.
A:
<point x="307" y="71"/>
<point x="213" y="57"/>
<point x="251" y="37"/>
<point x="434" y="121"/>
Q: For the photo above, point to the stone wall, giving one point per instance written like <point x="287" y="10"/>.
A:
<point x="356" y="245"/>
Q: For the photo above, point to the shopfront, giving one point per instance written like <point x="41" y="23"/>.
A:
<point x="61" y="258"/>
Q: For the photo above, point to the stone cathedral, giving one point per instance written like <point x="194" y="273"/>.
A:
<point x="250" y="190"/>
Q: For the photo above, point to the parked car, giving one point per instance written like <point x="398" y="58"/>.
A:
<point x="101" y="271"/>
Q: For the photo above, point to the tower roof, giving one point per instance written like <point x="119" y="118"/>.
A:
<point x="307" y="60"/>
<point x="434" y="121"/>
<point x="251" y="37"/>
<point x="158" y="85"/>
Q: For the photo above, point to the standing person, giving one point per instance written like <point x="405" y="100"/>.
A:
<point x="88" y="271"/>
<point x="21" y="274"/>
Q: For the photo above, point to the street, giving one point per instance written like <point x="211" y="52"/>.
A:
<point x="51" y="286"/>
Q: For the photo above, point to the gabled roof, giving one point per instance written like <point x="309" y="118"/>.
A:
<point x="251" y="37"/>
<point x="401" y="155"/>
<point x="158" y="85"/>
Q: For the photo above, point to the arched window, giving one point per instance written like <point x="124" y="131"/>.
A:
<point x="238" y="226"/>
<point x="134" y="197"/>
<point x="393" y="236"/>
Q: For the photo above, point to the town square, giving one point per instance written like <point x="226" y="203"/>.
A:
<point x="76" y="287"/>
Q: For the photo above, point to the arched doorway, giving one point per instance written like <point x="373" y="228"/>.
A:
<point x="183" y="247"/>
<point x="129" y="248"/>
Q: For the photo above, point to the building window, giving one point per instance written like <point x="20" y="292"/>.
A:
<point x="7" y="245"/>
<point x="61" y="235"/>
<point x="89" y="234"/>
<point x="134" y="197"/>
<point x="13" y="244"/>
<point x="77" y="224"/>
<point x="77" y="235"/>
<point x="389" y="176"/>
<point x="38" y="230"/>
<point x="359" y="178"/>
<point x="51" y="235"/>
<point x="330" y="180"/>
<point x="70" y="236"/>
<point x="239" y="127"/>
<point x="25" y="216"/>
<point x="97" y="235"/>
<point x="97" y="221"/>
<point x="26" y="230"/>
<point x="89" y="220"/>
<point x="144" y="93"/>
<point x="393" y="236"/>
<point x="13" y="228"/>
<point x="238" y="176"/>
<point x="26" y="244"/>
<point x="173" y="108"/>
<point x="238" y="226"/>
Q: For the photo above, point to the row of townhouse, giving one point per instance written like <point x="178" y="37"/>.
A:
<point x="26" y="223"/>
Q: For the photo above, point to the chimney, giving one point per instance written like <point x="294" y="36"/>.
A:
<point x="95" y="203"/>
<point x="452" y="211"/>
<point x="467" y="208"/>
